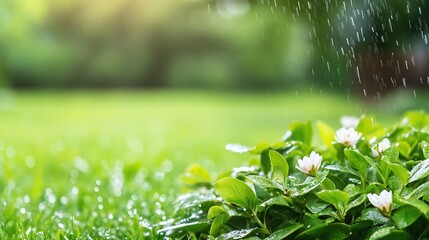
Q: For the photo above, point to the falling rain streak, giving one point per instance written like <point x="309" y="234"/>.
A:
<point x="378" y="45"/>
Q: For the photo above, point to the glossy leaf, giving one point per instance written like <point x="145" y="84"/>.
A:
<point x="263" y="182"/>
<point x="215" y="211"/>
<point x="237" y="192"/>
<point x="357" y="160"/>
<point x="242" y="233"/>
<point x="279" y="167"/>
<point x="218" y="222"/>
<point x="389" y="233"/>
<point x="400" y="171"/>
<point x="334" y="197"/>
<point x="405" y="216"/>
<point x="420" y="171"/>
<point x="333" y="231"/>
<point x="418" y="204"/>
<point x="284" y="232"/>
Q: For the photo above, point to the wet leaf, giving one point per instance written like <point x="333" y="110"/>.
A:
<point x="400" y="171"/>
<point x="357" y="160"/>
<point x="263" y="182"/>
<point x="237" y="192"/>
<point x="279" y="167"/>
<point x="372" y="214"/>
<point x="335" y="197"/>
<point x="185" y="227"/>
<point x="242" y="233"/>
<point x="419" y="171"/>
<point x="389" y="233"/>
<point x="405" y="216"/>
<point x="215" y="211"/>
<point x="333" y="231"/>
<point x="277" y="200"/>
<point x="218" y="222"/>
<point x="285" y="231"/>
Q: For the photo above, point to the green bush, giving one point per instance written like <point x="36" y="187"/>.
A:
<point x="363" y="182"/>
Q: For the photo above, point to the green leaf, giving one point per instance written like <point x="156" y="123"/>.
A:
<point x="358" y="201"/>
<point x="352" y="190"/>
<point x="391" y="154"/>
<point x="417" y="119"/>
<point x="400" y="171"/>
<point x="308" y="185"/>
<point x="218" y="222"/>
<point x="301" y="131"/>
<point x="373" y="215"/>
<point x="389" y="233"/>
<point x="237" y="192"/>
<point x="335" y="197"/>
<point x="214" y="211"/>
<point x="265" y="161"/>
<point x="280" y="200"/>
<point x="283" y="232"/>
<point x="242" y="233"/>
<point x="425" y="148"/>
<point x="405" y="216"/>
<point x="315" y="205"/>
<point x="263" y="182"/>
<point x="419" y="192"/>
<point x="196" y="174"/>
<point x="259" y="148"/>
<point x="334" y="231"/>
<point x="366" y="125"/>
<point x="357" y="160"/>
<point x="185" y="227"/>
<point x="419" y="171"/>
<point x="404" y="149"/>
<point x="343" y="169"/>
<point x="420" y="205"/>
<point x="279" y="167"/>
<point x="326" y="133"/>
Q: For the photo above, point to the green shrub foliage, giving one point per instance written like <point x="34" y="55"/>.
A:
<point x="371" y="183"/>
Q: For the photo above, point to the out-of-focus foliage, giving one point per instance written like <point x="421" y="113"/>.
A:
<point x="148" y="43"/>
<point x="213" y="43"/>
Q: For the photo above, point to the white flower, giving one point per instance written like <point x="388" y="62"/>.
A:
<point x="381" y="147"/>
<point x="383" y="201"/>
<point x="374" y="153"/>
<point x="310" y="165"/>
<point x="347" y="136"/>
<point x="349" y="121"/>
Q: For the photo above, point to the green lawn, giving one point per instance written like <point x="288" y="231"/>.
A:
<point x="108" y="164"/>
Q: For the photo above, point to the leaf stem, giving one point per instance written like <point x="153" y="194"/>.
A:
<point x="320" y="182"/>
<point x="258" y="221"/>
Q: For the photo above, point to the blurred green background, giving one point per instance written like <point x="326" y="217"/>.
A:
<point x="365" y="47"/>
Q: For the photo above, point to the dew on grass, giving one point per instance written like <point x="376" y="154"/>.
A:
<point x="117" y="179"/>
